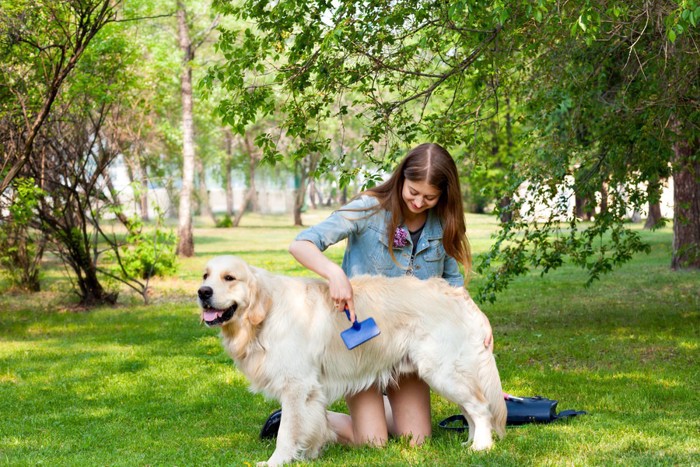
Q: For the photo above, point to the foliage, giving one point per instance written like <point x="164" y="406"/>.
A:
<point x="597" y="127"/>
<point x="41" y="42"/>
<point x="21" y="246"/>
<point x="379" y="65"/>
<point x="225" y="222"/>
<point x="582" y="104"/>
<point x="146" y="254"/>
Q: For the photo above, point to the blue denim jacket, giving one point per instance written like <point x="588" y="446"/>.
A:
<point x="367" y="251"/>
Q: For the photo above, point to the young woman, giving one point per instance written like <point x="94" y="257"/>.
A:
<point x="411" y="224"/>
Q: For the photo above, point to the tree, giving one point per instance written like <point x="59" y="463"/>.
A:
<point x="188" y="46"/>
<point x="71" y="189"/>
<point x="392" y="62"/>
<point x="40" y="45"/>
<point x="21" y="245"/>
<point x="614" y="107"/>
<point x="582" y="78"/>
<point x="72" y="170"/>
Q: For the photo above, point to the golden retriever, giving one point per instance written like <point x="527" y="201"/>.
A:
<point x="284" y="334"/>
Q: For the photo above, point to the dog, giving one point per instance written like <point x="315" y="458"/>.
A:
<point x="284" y="335"/>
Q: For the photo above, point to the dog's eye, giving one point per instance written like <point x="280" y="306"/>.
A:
<point x="229" y="278"/>
<point x="205" y="276"/>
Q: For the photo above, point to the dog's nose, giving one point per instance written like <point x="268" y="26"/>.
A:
<point x="205" y="292"/>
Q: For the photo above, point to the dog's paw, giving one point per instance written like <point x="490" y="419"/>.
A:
<point x="275" y="461"/>
<point x="480" y="444"/>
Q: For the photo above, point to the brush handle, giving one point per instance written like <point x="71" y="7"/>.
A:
<point x="355" y="324"/>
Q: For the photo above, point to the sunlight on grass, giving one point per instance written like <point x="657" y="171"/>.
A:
<point x="149" y="385"/>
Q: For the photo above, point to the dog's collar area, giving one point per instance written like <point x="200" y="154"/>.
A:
<point x="213" y="317"/>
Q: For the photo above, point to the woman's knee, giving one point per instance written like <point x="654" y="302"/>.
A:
<point x="410" y="407"/>
<point x="368" y="418"/>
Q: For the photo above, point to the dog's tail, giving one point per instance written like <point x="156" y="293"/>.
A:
<point x="492" y="390"/>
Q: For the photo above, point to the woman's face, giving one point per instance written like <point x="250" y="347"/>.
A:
<point x="419" y="196"/>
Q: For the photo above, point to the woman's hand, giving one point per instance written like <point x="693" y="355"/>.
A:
<point x="341" y="292"/>
<point x="488" y="341"/>
<point x="339" y="286"/>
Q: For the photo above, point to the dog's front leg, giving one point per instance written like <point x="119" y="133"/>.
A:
<point x="287" y="446"/>
<point x="304" y="428"/>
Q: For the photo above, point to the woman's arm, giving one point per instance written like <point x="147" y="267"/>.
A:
<point x="488" y="340"/>
<point x="451" y="272"/>
<point x="339" y="285"/>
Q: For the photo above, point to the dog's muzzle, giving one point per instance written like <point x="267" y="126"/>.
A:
<point x="210" y="315"/>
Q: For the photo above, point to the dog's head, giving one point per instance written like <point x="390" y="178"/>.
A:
<point x="228" y="290"/>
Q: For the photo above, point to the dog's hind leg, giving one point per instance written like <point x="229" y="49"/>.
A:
<point x="465" y="392"/>
<point x="479" y="419"/>
<point x="470" y="425"/>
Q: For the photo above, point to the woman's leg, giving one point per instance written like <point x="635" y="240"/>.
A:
<point x="410" y="409"/>
<point x="366" y="423"/>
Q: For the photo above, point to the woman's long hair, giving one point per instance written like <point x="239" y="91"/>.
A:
<point x="429" y="163"/>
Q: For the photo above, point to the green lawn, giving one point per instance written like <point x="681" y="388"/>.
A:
<point x="148" y="385"/>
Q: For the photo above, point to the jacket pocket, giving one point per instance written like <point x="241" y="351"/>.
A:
<point x="436" y="251"/>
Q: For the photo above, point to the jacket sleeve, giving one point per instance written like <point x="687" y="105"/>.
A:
<point x="351" y="218"/>
<point x="451" y="272"/>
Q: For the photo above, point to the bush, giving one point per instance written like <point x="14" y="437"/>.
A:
<point x="225" y="222"/>
<point x="21" y="246"/>
<point x="145" y="253"/>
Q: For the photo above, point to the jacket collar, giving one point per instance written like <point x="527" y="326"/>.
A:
<point x="431" y="231"/>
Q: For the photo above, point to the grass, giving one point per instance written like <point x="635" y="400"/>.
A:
<point x="147" y="385"/>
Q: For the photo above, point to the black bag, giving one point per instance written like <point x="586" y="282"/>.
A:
<point x="536" y="409"/>
<point x="521" y="410"/>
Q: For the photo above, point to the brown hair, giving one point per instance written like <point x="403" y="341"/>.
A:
<point x="429" y="163"/>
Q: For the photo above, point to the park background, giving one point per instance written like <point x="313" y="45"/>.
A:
<point x="140" y="138"/>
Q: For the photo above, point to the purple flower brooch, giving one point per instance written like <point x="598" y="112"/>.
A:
<point x="400" y="238"/>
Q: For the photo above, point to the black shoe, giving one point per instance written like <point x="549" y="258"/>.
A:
<point x="272" y="425"/>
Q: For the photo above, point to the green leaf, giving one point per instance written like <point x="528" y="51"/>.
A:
<point x="580" y="23"/>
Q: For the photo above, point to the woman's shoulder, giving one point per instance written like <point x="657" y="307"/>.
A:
<point x="362" y="202"/>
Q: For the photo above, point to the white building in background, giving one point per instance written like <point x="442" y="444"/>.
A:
<point x="274" y="196"/>
<point x="562" y="204"/>
<point x="277" y="197"/>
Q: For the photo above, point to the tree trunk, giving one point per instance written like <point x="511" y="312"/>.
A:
<point x="686" y="206"/>
<point x="229" y="169"/>
<point x="299" y="193"/>
<point x="653" y="196"/>
<point x="298" y="205"/>
<point x="506" y="214"/>
<point x="250" y="194"/>
<point x="185" y="245"/>
<point x="604" y="197"/>
<point x="204" y="201"/>
<point x="138" y="174"/>
<point x="654" y="216"/>
<point x="312" y="194"/>
<point x="93" y="292"/>
<point x="77" y="255"/>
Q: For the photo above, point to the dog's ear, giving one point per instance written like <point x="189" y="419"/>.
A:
<point x="259" y="301"/>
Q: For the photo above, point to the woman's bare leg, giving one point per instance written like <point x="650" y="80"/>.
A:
<point x="366" y="423"/>
<point x="410" y="409"/>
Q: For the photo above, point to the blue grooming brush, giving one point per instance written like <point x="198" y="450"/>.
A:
<point x="359" y="332"/>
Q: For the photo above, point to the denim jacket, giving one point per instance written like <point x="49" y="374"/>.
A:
<point x="367" y="251"/>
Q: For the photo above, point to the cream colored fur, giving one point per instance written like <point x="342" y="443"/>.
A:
<point x="285" y="337"/>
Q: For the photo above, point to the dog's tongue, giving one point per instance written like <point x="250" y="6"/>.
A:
<point x="211" y="315"/>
